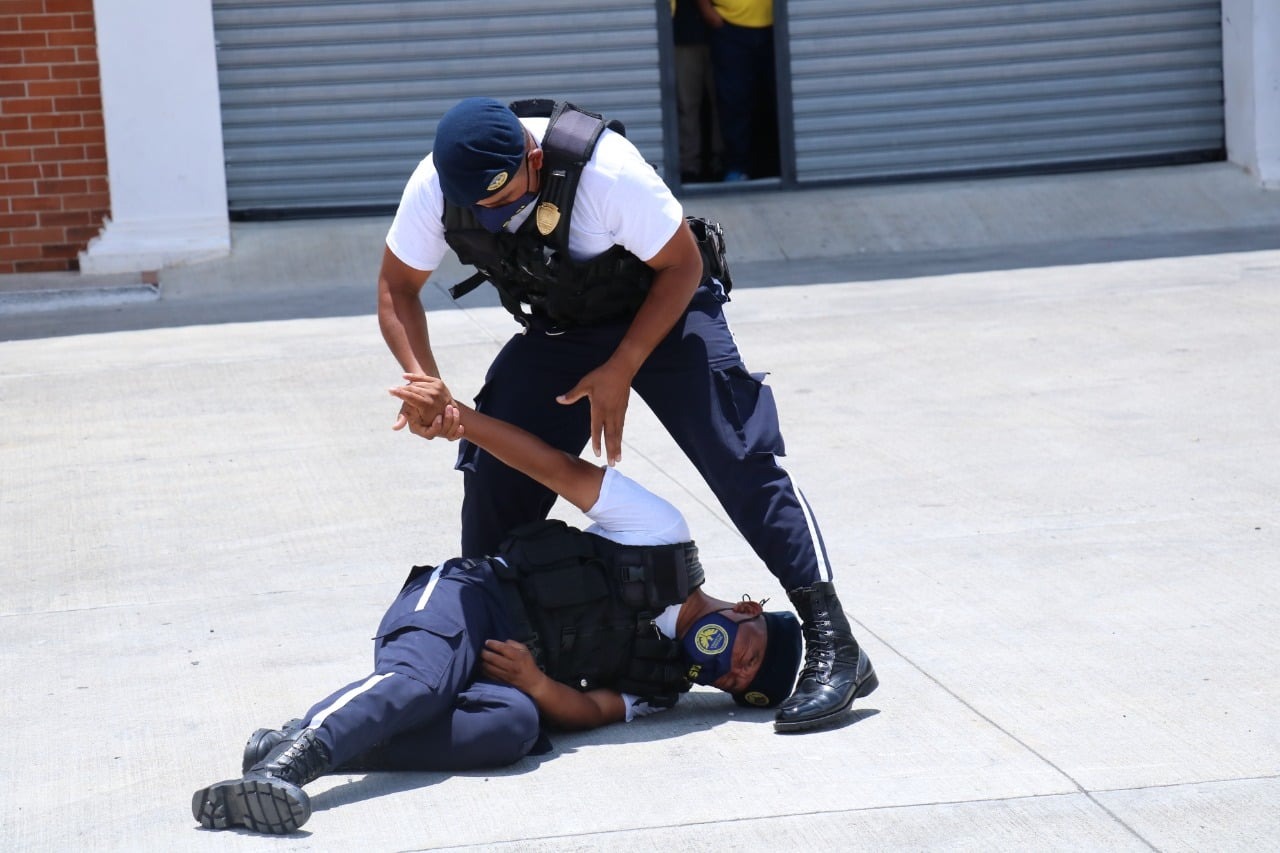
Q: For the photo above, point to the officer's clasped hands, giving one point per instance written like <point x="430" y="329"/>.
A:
<point x="428" y="408"/>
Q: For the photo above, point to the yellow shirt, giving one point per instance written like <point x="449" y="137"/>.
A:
<point x="746" y="13"/>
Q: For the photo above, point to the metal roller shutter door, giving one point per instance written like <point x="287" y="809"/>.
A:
<point x="886" y="88"/>
<point x="328" y="106"/>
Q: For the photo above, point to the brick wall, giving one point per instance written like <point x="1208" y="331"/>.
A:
<point x="53" y="156"/>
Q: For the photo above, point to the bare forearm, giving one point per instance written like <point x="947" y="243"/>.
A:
<point x="435" y="412"/>
<point x="566" y="708"/>
<point x="510" y="662"/>
<point x="677" y="272"/>
<point x="574" y="479"/>
<point x="401" y="317"/>
<point x="404" y="327"/>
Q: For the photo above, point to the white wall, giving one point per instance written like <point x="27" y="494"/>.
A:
<point x="163" y="128"/>
<point x="1251" y="80"/>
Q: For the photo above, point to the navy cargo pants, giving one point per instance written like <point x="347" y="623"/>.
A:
<point x="421" y="702"/>
<point x="722" y="417"/>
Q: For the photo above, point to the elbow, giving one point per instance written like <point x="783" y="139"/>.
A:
<point x="581" y="720"/>
<point x="386" y="303"/>
<point x="396" y="305"/>
<point x="388" y="317"/>
<point x="589" y="722"/>
<point x="680" y="280"/>
<point x="386" y="296"/>
<point x="686" y="274"/>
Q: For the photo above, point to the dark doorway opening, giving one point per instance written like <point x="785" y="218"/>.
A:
<point x="723" y="70"/>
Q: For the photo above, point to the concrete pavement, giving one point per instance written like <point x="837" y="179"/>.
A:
<point x="1042" y="435"/>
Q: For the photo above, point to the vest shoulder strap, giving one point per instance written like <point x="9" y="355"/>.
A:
<point x="570" y="140"/>
<point x="567" y="145"/>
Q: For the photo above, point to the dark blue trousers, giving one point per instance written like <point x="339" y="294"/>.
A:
<point x="422" y="702"/>
<point x="722" y="417"/>
<point x="743" y="64"/>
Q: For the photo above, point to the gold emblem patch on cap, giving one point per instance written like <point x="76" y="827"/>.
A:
<point x="548" y="217"/>
<point x="498" y="180"/>
<point x="711" y="639"/>
<point x="755" y="697"/>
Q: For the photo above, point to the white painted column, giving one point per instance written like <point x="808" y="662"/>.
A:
<point x="1251" y="83"/>
<point x="163" y="126"/>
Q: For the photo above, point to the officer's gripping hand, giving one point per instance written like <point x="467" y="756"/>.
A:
<point x="609" y="390"/>
<point x="511" y="662"/>
<point x="427" y="408"/>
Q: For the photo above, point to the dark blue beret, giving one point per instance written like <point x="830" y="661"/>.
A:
<point x="479" y="147"/>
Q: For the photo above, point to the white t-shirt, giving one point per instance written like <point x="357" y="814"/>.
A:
<point x="620" y="201"/>
<point x="628" y="513"/>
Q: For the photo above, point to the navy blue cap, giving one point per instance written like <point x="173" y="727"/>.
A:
<point x="781" y="662"/>
<point x="708" y="649"/>
<point x="479" y="148"/>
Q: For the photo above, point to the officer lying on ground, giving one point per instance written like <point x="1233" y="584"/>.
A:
<point x="613" y="621"/>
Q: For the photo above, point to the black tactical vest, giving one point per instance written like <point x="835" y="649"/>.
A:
<point x="532" y="268"/>
<point x="537" y="279"/>
<point x="585" y="606"/>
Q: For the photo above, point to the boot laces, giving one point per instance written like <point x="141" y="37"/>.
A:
<point x="303" y="760"/>
<point x="820" y="647"/>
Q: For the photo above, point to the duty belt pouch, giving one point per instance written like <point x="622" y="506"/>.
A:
<point x="715" y="261"/>
<point x="654" y="577"/>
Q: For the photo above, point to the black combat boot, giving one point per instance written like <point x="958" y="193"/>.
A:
<point x="262" y="741"/>
<point x="269" y="798"/>
<point x="835" y="672"/>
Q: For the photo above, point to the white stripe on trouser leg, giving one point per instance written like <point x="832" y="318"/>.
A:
<point x="426" y="593"/>
<point x="345" y="698"/>
<point x="372" y="680"/>
<point x="818" y="549"/>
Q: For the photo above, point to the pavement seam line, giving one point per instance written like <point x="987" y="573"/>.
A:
<point x="896" y="807"/>
<point x="1019" y="741"/>
<point x="1226" y="781"/>
<point x="783" y="816"/>
<point x="1079" y="788"/>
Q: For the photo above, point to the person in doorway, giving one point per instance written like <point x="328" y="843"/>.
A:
<point x="474" y="657"/>
<point x="742" y="59"/>
<point x="700" y="145"/>
<point x="593" y="255"/>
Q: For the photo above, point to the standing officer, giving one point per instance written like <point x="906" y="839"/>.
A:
<point x="591" y="252"/>
<point x="617" y="612"/>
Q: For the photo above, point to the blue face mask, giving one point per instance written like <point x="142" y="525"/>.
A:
<point x="493" y="219"/>
<point x="708" y="647"/>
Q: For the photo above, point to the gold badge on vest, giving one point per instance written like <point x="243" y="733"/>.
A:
<point x="548" y="216"/>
